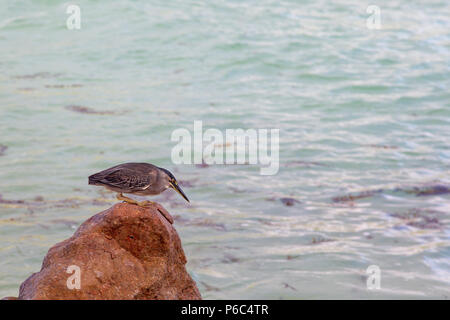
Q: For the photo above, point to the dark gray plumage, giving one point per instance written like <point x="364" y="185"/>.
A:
<point x="136" y="178"/>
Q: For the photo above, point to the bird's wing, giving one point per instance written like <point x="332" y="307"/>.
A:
<point x="129" y="179"/>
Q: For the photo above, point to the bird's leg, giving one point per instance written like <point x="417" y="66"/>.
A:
<point x="120" y="196"/>
<point x="129" y="200"/>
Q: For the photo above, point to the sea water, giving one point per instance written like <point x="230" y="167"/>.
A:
<point x="362" y="104"/>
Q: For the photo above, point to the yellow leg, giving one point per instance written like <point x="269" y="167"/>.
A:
<point x="126" y="199"/>
<point x="144" y="203"/>
<point x="129" y="200"/>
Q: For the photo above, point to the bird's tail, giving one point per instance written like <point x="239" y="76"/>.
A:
<point x="93" y="179"/>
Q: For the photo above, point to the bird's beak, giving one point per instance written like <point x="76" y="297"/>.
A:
<point x="177" y="188"/>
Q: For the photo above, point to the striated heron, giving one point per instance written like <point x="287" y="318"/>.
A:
<point x="136" y="178"/>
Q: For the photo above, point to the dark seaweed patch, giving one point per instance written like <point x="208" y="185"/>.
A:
<point x="288" y="286"/>
<point x="10" y="201"/>
<point x="420" y="218"/>
<point x="353" y="197"/>
<point x="320" y="240"/>
<point x="228" y="258"/>
<point x="202" y="165"/>
<point x="208" y="223"/>
<point x="424" y="190"/>
<point x="426" y="223"/>
<point x="289" y="202"/>
<point x="38" y="75"/>
<point x="381" y="146"/>
<point x="432" y="190"/>
<point x="87" y="110"/>
<point x="3" y="149"/>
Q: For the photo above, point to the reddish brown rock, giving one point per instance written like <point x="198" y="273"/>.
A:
<point x="125" y="252"/>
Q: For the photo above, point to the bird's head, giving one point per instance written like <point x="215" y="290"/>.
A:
<point x="171" y="182"/>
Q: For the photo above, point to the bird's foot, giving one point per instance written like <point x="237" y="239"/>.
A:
<point x="145" y="203"/>
<point x="132" y="201"/>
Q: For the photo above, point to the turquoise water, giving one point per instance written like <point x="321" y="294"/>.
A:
<point x="361" y="112"/>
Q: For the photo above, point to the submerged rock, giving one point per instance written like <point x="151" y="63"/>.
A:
<point x="125" y="252"/>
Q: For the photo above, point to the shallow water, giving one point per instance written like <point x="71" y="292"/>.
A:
<point x="358" y="110"/>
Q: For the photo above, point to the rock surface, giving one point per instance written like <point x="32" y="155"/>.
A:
<point x="125" y="252"/>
